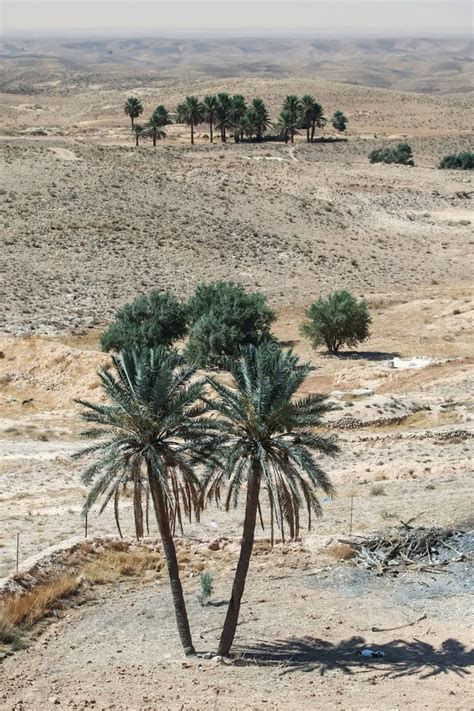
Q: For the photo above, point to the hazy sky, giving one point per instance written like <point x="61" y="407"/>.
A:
<point x="411" y="16"/>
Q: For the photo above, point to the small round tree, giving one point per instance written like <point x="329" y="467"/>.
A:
<point x="339" y="121"/>
<point x="157" y="319"/>
<point x="224" y="317"/>
<point x="133" y="107"/>
<point x="340" y="320"/>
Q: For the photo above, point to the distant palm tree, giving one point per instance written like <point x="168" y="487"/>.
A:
<point x="133" y="107"/>
<point x="238" y="111"/>
<point x="138" y="130"/>
<point x="267" y="439"/>
<point x="224" y="114"/>
<point x="307" y="107"/>
<point x="154" y="128"/>
<point x="291" y="111"/>
<point x="149" y="425"/>
<point x="162" y="115"/>
<point x="210" y="106"/>
<point x="318" y="119"/>
<point x="191" y="112"/>
<point x="287" y="125"/>
<point x="259" y="117"/>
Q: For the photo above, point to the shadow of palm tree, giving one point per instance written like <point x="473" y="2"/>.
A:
<point x="402" y="658"/>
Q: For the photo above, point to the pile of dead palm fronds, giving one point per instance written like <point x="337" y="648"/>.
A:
<point x="426" y="549"/>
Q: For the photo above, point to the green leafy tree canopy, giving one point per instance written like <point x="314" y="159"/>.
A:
<point x="224" y="317"/>
<point x="340" y="320"/>
<point x="156" y="319"/>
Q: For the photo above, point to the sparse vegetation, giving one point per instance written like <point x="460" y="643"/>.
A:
<point x="28" y="608"/>
<point x="458" y="161"/>
<point x="401" y="154"/>
<point x="340" y="320"/>
<point x="377" y="490"/>
<point x="157" y="319"/>
<point x="341" y="551"/>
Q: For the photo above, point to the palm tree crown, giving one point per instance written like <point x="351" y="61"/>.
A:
<point x="150" y="423"/>
<point x="133" y="107"/>
<point x="268" y="439"/>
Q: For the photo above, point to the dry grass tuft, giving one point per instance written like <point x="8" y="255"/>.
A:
<point x="377" y="490"/>
<point x="10" y="636"/>
<point x="39" y="602"/>
<point x="341" y="551"/>
<point x="114" y="564"/>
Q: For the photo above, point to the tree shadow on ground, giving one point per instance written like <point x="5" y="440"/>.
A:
<point x="402" y="657"/>
<point x="368" y="355"/>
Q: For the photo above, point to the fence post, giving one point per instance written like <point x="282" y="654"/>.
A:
<point x="351" y="515"/>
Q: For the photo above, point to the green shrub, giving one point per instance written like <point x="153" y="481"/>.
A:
<point x="460" y="161"/>
<point x="401" y="154"/>
<point x="207" y="587"/>
<point x="224" y="317"/>
<point x="158" y="319"/>
<point x="340" y="320"/>
<point x="339" y="121"/>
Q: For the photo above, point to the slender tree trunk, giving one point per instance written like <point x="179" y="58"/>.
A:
<point x="192" y="134"/>
<point x="307" y="133"/>
<point x="172" y="563"/>
<point x="211" y="140"/>
<point x="133" y="121"/>
<point x="313" y="128"/>
<point x="136" y="140"/>
<point x="138" y="509"/>
<point x="232" y="616"/>
<point x="292" y="136"/>
<point x="154" y="138"/>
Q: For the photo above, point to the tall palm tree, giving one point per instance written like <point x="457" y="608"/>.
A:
<point x="260" y="117"/>
<point x="210" y="106"/>
<point x="268" y="439"/>
<point x="154" y="127"/>
<point x="238" y="111"/>
<point x="224" y="114"/>
<point x="191" y="112"/>
<point x="149" y="425"/>
<point x="291" y="109"/>
<point x="133" y="107"/>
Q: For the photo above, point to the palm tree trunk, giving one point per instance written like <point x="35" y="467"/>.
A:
<point x="232" y="616"/>
<point x="172" y="563"/>
<point x="133" y="121"/>
<point x="154" y="138"/>
<point x="313" y="128"/>
<point x="292" y="136"/>
<point x="211" y="140"/>
<point x="136" y="140"/>
<point x="192" y="134"/>
<point x="307" y="133"/>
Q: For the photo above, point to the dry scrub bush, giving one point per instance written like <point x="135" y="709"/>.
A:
<point x="341" y="551"/>
<point x="37" y="603"/>
<point x="377" y="490"/>
<point x="10" y="635"/>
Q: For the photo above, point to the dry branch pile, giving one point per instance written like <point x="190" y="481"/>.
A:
<point x="425" y="549"/>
